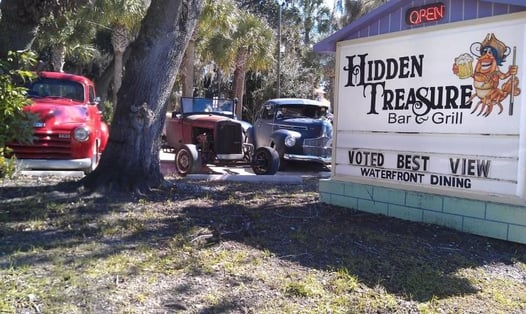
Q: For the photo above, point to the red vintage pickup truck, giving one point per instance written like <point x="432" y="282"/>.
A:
<point x="70" y="133"/>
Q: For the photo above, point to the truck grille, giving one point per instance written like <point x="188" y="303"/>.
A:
<point x="47" y="146"/>
<point x="228" y="139"/>
<point x="321" y="147"/>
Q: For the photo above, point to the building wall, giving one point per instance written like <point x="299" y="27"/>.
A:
<point x="457" y="10"/>
<point x="500" y="221"/>
<point x="482" y="217"/>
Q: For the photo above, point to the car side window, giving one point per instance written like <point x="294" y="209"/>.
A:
<point x="268" y="112"/>
<point x="91" y="94"/>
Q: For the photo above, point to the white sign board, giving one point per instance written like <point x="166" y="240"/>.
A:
<point x="440" y="109"/>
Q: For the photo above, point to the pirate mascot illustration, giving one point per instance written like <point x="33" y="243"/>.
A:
<point x="491" y="53"/>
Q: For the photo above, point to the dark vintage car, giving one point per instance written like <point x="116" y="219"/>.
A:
<point x="205" y="131"/>
<point x="299" y="129"/>
<point x="70" y="133"/>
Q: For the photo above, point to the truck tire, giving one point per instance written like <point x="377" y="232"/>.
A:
<point x="187" y="160"/>
<point x="265" y="161"/>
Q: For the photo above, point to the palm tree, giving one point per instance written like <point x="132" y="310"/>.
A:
<point x="237" y="41"/>
<point x="123" y="17"/>
<point x="67" y="35"/>
<point x="315" y="16"/>
<point x="215" y="17"/>
<point x="254" y="46"/>
<point x="353" y="9"/>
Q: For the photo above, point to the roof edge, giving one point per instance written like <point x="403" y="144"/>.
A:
<point x="328" y="45"/>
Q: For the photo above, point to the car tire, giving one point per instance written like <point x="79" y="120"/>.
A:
<point x="95" y="158"/>
<point x="187" y="160"/>
<point x="265" y="161"/>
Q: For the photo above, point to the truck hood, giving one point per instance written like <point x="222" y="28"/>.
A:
<point x="309" y="127"/>
<point x="300" y="122"/>
<point x="58" y="111"/>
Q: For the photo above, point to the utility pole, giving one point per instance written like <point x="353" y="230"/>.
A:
<point x="281" y="4"/>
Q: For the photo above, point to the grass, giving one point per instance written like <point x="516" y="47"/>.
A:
<point x="233" y="248"/>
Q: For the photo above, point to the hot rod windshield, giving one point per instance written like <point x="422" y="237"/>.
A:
<point x="207" y="105"/>
<point x="49" y="87"/>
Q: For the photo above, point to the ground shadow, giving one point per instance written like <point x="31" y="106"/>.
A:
<point x="412" y="260"/>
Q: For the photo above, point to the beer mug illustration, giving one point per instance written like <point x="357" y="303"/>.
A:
<point x="464" y="63"/>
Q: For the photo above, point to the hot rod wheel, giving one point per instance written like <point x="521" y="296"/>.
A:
<point x="187" y="159"/>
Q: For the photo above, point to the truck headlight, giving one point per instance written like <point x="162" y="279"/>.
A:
<point x="290" y="141"/>
<point x="81" y="134"/>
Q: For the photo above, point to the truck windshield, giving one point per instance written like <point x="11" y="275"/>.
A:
<point x="46" y="87"/>
<point x="299" y="111"/>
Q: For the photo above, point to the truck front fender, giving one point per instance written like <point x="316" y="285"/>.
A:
<point x="278" y="139"/>
<point x="104" y="135"/>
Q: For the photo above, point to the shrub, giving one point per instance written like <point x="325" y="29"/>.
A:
<point x="15" y="124"/>
<point x="107" y="111"/>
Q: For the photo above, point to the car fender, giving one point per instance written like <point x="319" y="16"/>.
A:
<point x="278" y="139"/>
<point x="250" y="136"/>
<point x="104" y="135"/>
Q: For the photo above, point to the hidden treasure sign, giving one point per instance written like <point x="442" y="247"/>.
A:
<point x="434" y="110"/>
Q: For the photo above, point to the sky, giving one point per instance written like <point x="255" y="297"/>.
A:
<point x="328" y="3"/>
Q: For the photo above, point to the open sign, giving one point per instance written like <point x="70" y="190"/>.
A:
<point x="424" y="14"/>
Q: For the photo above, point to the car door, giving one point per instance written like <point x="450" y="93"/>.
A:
<point x="264" y="125"/>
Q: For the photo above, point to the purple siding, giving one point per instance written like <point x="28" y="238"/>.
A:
<point x="470" y="10"/>
<point x="390" y="18"/>
<point x="384" y="24"/>
<point x="395" y="22"/>
<point x="485" y="9"/>
<point x="500" y="9"/>
<point x="456" y="10"/>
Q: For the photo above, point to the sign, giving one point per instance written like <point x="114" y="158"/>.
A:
<point x="438" y="110"/>
<point x="424" y="14"/>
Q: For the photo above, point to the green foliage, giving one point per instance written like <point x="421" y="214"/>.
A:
<point x="15" y="124"/>
<point x="107" y="111"/>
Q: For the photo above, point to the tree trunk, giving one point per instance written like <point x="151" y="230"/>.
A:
<point x="239" y="80"/>
<point x="117" y="76"/>
<point x="18" y="26"/>
<point x="187" y="70"/>
<point x="119" y="41"/>
<point x="105" y="78"/>
<point x="58" y="57"/>
<point x="131" y="159"/>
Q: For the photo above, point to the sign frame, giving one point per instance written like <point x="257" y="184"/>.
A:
<point x="347" y="140"/>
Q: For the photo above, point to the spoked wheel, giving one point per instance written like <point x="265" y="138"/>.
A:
<point x="265" y="161"/>
<point x="187" y="160"/>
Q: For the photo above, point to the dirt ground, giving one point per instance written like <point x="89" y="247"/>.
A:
<point x="227" y="247"/>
